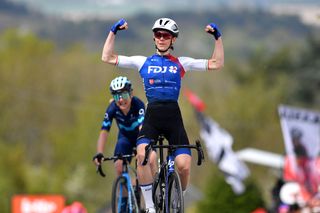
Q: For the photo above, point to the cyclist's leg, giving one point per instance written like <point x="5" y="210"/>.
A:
<point x="145" y="174"/>
<point x="183" y="166"/>
<point x="178" y="135"/>
<point x="153" y="163"/>
<point x="147" y="132"/>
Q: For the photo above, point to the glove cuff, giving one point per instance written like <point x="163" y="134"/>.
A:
<point x="114" y="29"/>
<point x="216" y="34"/>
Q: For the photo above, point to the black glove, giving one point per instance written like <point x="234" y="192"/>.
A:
<point x="98" y="156"/>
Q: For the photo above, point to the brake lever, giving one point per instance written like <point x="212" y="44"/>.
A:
<point x="147" y="151"/>
<point x="100" y="171"/>
<point x="200" y="153"/>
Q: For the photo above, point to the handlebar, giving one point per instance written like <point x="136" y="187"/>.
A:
<point x="152" y="145"/>
<point x="116" y="157"/>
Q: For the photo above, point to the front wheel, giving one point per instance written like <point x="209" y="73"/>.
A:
<point x="119" y="195"/>
<point x="122" y="201"/>
<point x="175" y="196"/>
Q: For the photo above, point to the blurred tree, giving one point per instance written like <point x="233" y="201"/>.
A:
<point x="219" y="197"/>
<point x="307" y="75"/>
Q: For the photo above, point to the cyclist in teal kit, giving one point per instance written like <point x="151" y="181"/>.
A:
<point x="161" y="74"/>
<point x="128" y="111"/>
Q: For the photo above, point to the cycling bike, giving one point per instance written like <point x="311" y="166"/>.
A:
<point x="167" y="192"/>
<point x="126" y="197"/>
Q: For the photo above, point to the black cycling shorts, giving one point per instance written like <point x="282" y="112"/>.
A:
<point x="164" y="118"/>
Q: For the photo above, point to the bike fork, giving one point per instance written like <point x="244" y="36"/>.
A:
<point x="170" y="160"/>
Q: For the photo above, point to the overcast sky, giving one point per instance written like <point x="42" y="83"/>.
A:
<point x="114" y="9"/>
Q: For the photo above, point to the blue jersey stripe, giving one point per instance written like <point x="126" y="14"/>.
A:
<point x="106" y="124"/>
<point x="133" y="125"/>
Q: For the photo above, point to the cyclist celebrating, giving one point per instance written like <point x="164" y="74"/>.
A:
<point x="161" y="74"/>
<point x="128" y="111"/>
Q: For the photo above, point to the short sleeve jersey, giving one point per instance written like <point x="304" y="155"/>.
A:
<point x="162" y="75"/>
<point x="128" y="125"/>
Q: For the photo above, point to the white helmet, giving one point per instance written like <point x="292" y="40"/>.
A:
<point x="119" y="84"/>
<point x="166" y="24"/>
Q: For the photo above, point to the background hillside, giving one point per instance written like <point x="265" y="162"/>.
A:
<point x="53" y="92"/>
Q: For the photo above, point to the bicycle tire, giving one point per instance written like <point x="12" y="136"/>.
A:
<point x="135" y="207"/>
<point x="120" y="184"/>
<point x="175" y="196"/>
<point x="158" y="193"/>
<point x="119" y="191"/>
<point x="139" y="198"/>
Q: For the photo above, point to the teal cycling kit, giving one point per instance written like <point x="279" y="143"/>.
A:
<point x="128" y="125"/>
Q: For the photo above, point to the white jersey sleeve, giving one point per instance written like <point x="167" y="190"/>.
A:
<point x="191" y="64"/>
<point x="131" y="62"/>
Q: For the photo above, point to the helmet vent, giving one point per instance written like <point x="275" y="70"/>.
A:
<point x="119" y="84"/>
<point x="166" y="24"/>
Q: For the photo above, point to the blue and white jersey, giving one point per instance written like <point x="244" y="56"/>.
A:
<point x="128" y="124"/>
<point x="162" y="74"/>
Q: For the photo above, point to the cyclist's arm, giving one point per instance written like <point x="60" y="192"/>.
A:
<point x="191" y="64"/>
<point x="103" y="136"/>
<point x="108" y="54"/>
<point x="131" y="62"/>
<point x="110" y="57"/>
<point x="105" y="128"/>
<point x="216" y="61"/>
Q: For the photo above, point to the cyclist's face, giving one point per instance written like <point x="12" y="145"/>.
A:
<point x="163" y="39"/>
<point x="123" y="100"/>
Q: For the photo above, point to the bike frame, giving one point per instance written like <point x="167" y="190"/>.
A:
<point x="168" y="167"/>
<point x="169" y="170"/>
<point x="125" y="174"/>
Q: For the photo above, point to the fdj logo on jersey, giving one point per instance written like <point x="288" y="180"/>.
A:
<point x="163" y="69"/>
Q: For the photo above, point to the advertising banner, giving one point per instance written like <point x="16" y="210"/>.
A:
<point x="301" y="133"/>
<point x="37" y="203"/>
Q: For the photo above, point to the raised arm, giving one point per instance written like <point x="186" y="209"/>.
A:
<point x="108" y="54"/>
<point x="216" y="61"/>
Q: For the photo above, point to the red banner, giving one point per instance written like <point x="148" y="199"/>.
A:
<point x="194" y="100"/>
<point x="37" y="203"/>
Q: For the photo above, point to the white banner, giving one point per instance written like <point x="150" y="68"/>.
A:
<point x="219" y="147"/>
<point x="300" y="124"/>
<point x="301" y="133"/>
